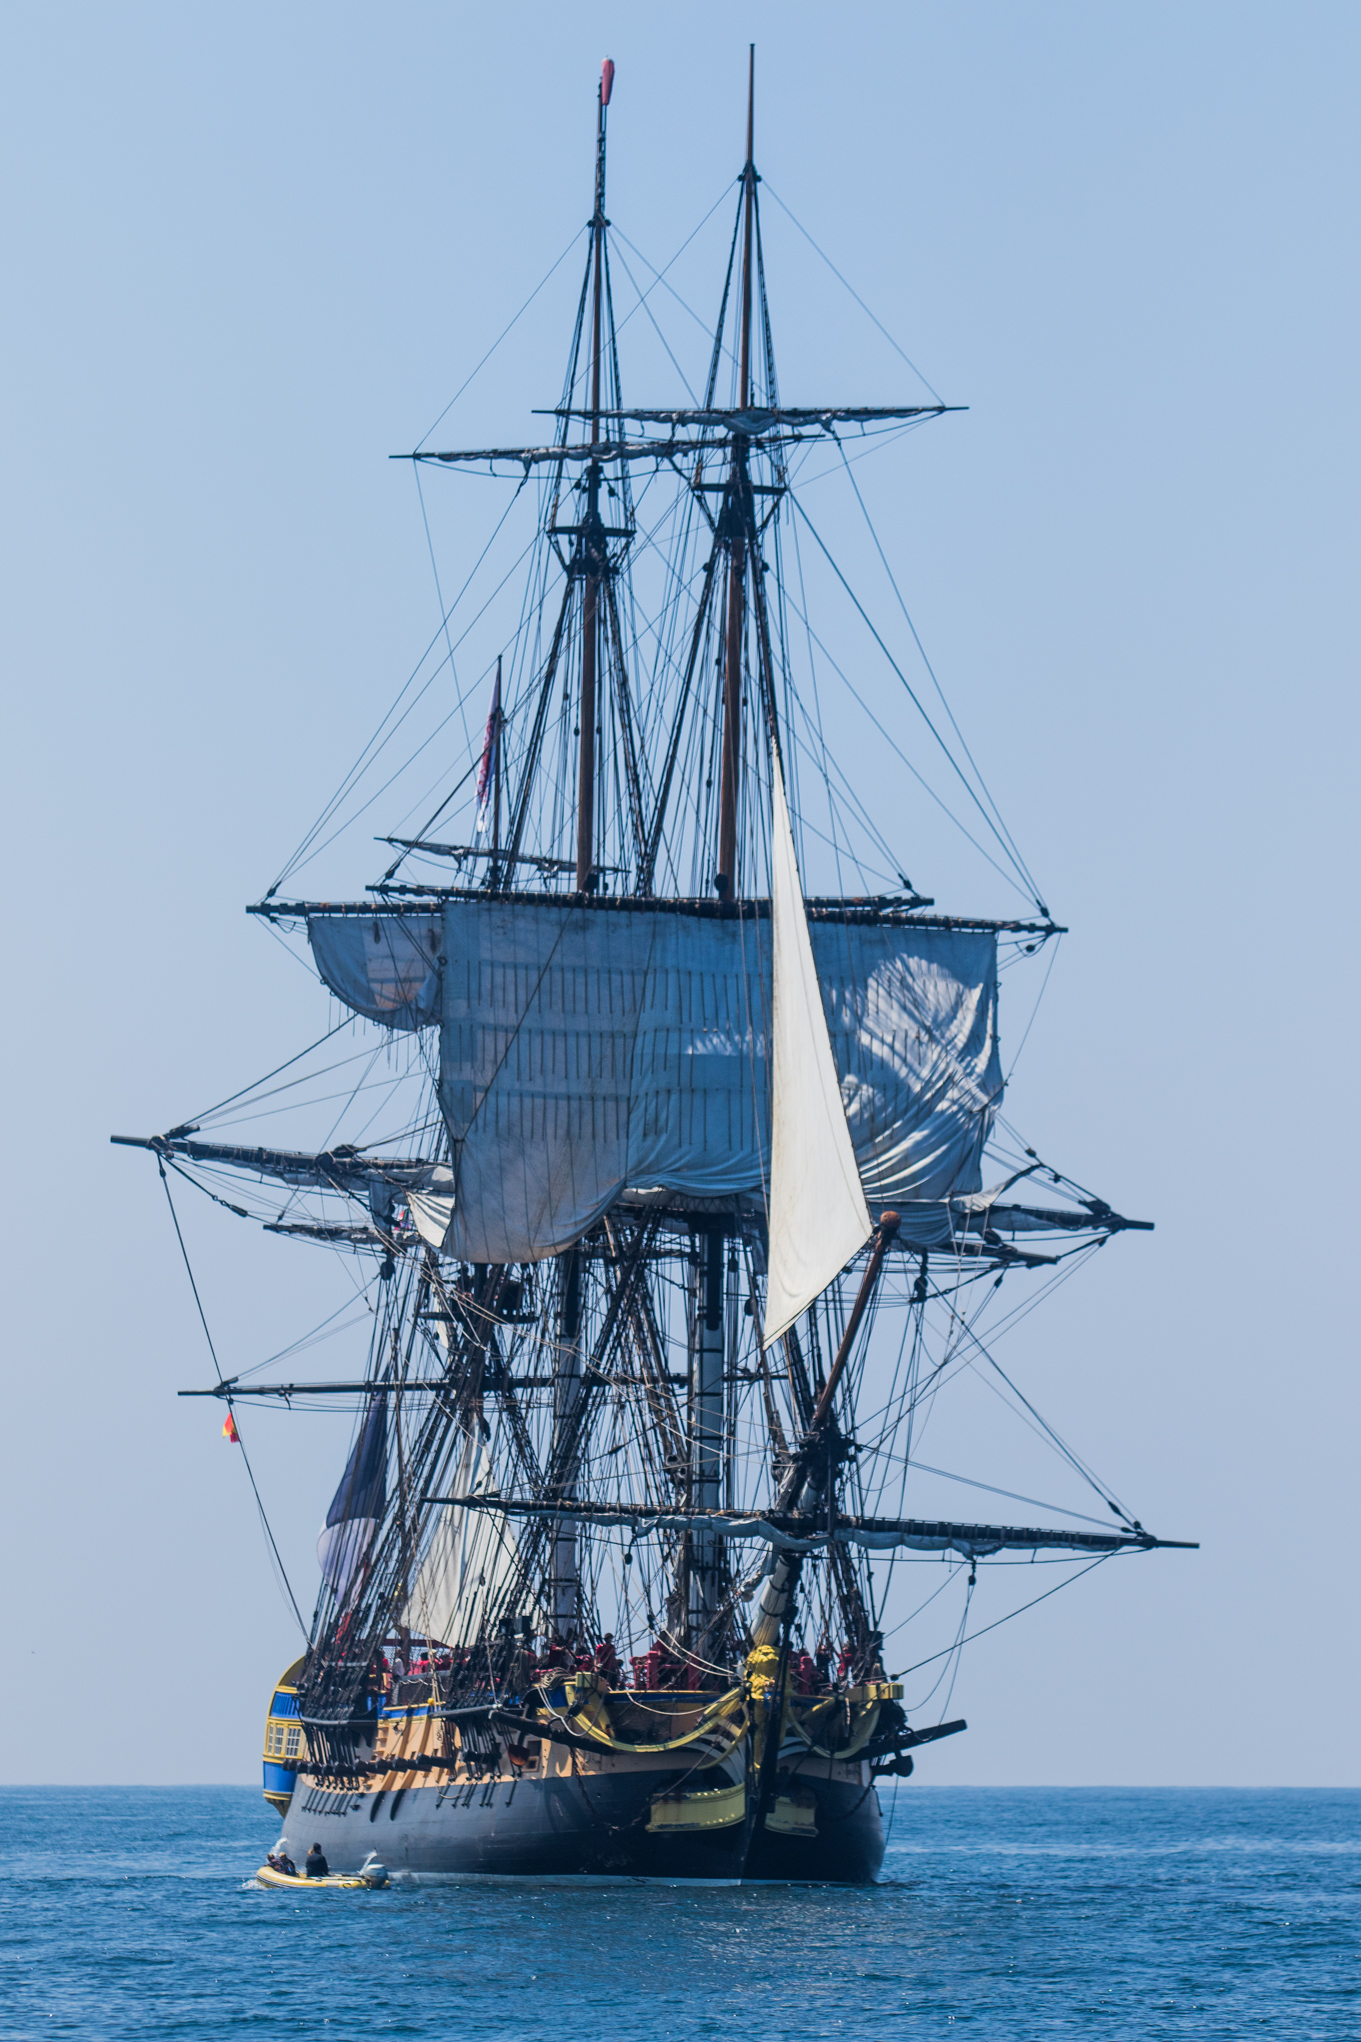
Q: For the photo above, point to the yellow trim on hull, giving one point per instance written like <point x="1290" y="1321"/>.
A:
<point x="711" y="1808"/>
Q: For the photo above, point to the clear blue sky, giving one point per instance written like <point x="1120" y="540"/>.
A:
<point x="248" y="252"/>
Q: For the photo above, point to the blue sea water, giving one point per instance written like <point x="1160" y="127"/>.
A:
<point x="1013" y="1914"/>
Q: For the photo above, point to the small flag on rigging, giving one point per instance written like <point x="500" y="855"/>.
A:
<point x="229" y="1430"/>
<point x="486" y="778"/>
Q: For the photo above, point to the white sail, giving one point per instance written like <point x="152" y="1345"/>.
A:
<point x="818" y="1214"/>
<point x="469" y="1558"/>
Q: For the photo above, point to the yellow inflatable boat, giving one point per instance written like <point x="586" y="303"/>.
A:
<point x="370" y="1874"/>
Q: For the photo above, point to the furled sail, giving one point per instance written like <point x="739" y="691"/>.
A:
<point x="985" y="1221"/>
<point x="589" y="1047"/>
<point x="791" y="1533"/>
<point x="818" y="1214"/>
<point x="468" y="1560"/>
<point x="427" y="1188"/>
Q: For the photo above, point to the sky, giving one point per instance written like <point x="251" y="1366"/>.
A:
<point x="252" y="252"/>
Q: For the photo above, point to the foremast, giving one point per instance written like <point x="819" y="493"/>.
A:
<point x="591" y="560"/>
<point x="736" y="531"/>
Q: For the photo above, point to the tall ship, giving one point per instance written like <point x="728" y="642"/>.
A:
<point x="698" y="1200"/>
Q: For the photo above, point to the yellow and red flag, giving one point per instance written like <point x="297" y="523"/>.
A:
<point x="229" y="1430"/>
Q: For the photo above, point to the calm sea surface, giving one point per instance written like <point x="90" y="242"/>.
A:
<point x="1003" y="1913"/>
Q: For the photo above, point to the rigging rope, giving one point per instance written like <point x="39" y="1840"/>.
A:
<point x="203" y="1320"/>
<point x="896" y="748"/>
<point x="974" y="1636"/>
<point x="208" y="1111"/>
<point x="501" y="336"/>
<point x="660" y="274"/>
<point x="935" y="678"/>
<point x="439" y="592"/>
<point x="1100" y="1488"/>
<point x="309" y="848"/>
<point x="960" y="1643"/>
<point x="1017" y="865"/>
<point x="645" y="307"/>
<point x="854" y="293"/>
<point x="1025" y="1037"/>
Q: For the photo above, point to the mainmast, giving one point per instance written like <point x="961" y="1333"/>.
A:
<point x="736" y="520"/>
<point x="592" y="553"/>
<point x="564" y="1576"/>
<point x="708" y="1369"/>
<point x="709" y="1359"/>
<point x="592" y="558"/>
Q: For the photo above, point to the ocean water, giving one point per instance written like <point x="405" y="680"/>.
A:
<point x="1004" y="1913"/>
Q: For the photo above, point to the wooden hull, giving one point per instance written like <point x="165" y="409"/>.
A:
<point x="588" y="1818"/>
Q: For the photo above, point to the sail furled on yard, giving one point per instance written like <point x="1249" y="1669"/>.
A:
<point x="816" y="1202"/>
<point x="591" y="1047"/>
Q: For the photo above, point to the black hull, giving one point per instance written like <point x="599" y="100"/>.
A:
<point x="589" y="1827"/>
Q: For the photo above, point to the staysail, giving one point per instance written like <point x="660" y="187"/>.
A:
<point x="818" y="1214"/>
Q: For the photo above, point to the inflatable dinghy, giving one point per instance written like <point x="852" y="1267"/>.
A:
<point x="370" y="1874"/>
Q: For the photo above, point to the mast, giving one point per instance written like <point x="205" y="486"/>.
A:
<point x="496" y="786"/>
<point x="403" y="1501"/>
<point x="592" y="541"/>
<point x="700" y="1564"/>
<point x="810" y="1482"/>
<point x="564" y="1580"/>
<point x="708" y="1363"/>
<point x="707" y="1432"/>
<point x="564" y="1583"/>
<point x="737" y="513"/>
